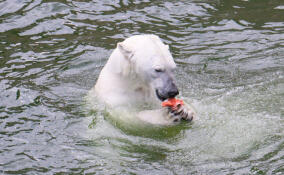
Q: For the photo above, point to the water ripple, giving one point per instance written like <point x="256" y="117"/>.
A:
<point x="230" y="68"/>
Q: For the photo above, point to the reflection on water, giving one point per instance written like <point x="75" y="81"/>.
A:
<point x="230" y="68"/>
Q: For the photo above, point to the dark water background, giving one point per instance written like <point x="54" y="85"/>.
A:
<point x="230" y="58"/>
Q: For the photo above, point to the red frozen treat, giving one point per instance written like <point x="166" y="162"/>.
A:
<point x="173" y="103"/>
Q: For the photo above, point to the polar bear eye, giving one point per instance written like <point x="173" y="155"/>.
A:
<point x="159" y="70"/>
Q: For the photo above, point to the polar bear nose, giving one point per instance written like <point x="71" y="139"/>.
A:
<point x="173" y="92"/>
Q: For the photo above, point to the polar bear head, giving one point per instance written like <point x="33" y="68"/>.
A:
<point x="151" y="63"/>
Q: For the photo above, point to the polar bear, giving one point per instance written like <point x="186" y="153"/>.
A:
<point x="139" y="75"/>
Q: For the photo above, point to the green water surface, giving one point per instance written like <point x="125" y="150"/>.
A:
<point x="230" y="67"/>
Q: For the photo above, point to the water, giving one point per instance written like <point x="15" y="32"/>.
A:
<point x="230" y="68"/>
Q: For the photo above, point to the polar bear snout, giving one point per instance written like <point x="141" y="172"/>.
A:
<point x="169" y="90"/>
<point x="172" y="90"/>
<point x="165" y="86"/>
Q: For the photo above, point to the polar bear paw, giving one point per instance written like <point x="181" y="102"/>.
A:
<point x="182" y="113"/>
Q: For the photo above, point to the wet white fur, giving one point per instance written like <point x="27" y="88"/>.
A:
<point x="125" y="82"/>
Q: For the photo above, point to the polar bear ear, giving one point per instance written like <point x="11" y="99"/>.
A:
<point x="126" y="52"/>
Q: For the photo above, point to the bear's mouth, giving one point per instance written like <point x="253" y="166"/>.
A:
<point x="160" y="97"/>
